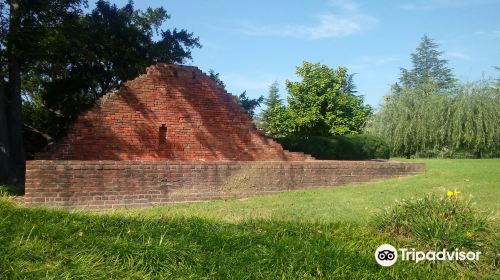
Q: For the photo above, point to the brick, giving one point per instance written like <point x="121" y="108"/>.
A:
<point x="191" y="181"/>
<point x="142" y="122"/>
<point x="118" y="155"/>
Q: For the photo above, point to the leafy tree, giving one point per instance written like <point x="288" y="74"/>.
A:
<point x="429" y="69"/>
<point x="66" y="59"/>
<point x="247" y="103"/>
<point x="27" y="34"/>
<point x="324" y="103"/>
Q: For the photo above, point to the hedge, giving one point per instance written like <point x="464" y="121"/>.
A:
<point x="347" y="147"/>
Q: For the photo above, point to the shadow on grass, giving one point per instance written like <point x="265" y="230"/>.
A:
<point x="43" y="243"/>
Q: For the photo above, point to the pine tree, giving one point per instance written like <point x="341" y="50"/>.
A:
<point x="249" y="104"/>
<point x="273" y="98"/>
<point x="269" y="114"/>
<point x="429" y="69"/>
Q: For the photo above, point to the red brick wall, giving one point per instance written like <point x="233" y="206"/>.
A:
<point x="170" y="113"/>
<point x="113" y="184"/>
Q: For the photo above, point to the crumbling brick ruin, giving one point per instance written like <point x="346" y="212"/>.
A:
<point x="172" y="112"/>
<point x="146" y="144"/>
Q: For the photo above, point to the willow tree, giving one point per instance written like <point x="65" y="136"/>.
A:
<point x="466" y="120"/>
<point x="411" y="121"/>
<point x="475" y="122"/>
<point x="497" y="83"/>
<point x="413" y="115"/>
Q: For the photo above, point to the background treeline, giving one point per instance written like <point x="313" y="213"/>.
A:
<point x="323" y="116"/>
<point x="427" y="113"/>
<point x="464" y="122"/>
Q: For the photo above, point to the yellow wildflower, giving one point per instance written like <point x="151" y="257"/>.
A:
<point x="468" y="234"/>
<point x="453" y="193"/>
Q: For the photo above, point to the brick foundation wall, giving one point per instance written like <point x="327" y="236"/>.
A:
<point x="115" y="184"/>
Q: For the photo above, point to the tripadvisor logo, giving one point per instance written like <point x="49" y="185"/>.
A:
<point x="387" y="255"/>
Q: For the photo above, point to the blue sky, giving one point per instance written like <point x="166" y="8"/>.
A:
<point x="253" y="43"/>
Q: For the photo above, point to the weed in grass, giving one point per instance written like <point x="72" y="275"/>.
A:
<point x="449" y="222"/>
<point x="4" y="191"/>
<point x="438" y="221"/>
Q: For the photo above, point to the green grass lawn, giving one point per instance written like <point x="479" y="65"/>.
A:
<point x="321" y="233"/>
<point x="357" y="203"/>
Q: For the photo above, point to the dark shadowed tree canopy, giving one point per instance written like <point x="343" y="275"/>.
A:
<point x="28" y="34"/>
<point x="57" y="60"/>
<point x="249" y="104"/>
<point x="215" y="76"/>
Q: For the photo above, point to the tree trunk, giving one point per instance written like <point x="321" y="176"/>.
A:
<point x="15" y="127"/>
<point x="14" y="112"/>
<point x="4" y="138"/>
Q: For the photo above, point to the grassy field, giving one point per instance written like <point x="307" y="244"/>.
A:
<point x="322" y="233"/>
<point x="479" y="179"/>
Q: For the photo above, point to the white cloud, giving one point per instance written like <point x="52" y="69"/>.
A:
<point x="329" y="26"/>
<point x="371" y="61"/>
<point x="348" y="20"/>
<point x="336" y="26"/>
<point x="413" y="7"/>
<point x="457" y="55"/>
<point x="348" y="5"/>
<point x="491" y="33"/>
<point x="437" y="4"/>
<point x="239" y="83"/>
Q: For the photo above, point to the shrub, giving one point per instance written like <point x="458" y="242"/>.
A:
<point x="440" y="222"/>
<point x="5" y="191"/>
<point x="348" y="147"/>
<point x="372" y="147"/>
